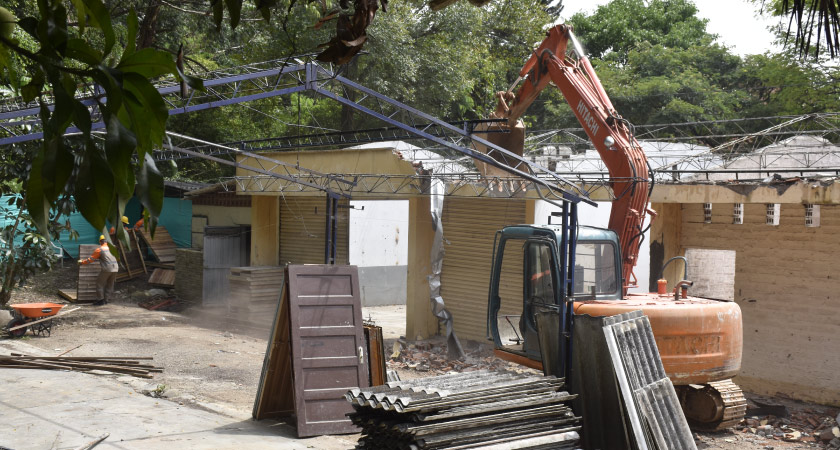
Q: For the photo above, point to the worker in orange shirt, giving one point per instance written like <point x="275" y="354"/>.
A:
<point x="139" y="224"/>
<point x="124" y="220"/>
<point x="108" y="274"/>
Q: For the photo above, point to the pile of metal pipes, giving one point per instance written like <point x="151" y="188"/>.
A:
<point x="466" y="411"/>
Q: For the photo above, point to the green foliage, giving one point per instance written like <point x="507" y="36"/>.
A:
<point x="618" y="27"/>
<point x="450" y="63"/>
<point x="101" y="175"/>
<point x="814" y="25"/>
<point x="783" y="84"/>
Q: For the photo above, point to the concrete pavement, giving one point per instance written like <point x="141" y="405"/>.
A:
<point x="51" y="409"/>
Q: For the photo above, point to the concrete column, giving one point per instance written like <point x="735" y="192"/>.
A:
<point x="530" y="211"/>
<point x="419" y="320"/>
<point x="265" y="230"/>
<point x="666" y="236"/>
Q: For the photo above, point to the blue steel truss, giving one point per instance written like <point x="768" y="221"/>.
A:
<point x="274" y="78"/>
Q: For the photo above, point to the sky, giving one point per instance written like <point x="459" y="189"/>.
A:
<point x="736" y="22"/>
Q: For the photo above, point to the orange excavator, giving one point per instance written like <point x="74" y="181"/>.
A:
<point x="588" y="270"/>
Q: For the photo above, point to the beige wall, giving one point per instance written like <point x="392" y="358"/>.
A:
<point x="788" y="287"/>
<point x="216" y="216"/>
<point x="265" y="230"/>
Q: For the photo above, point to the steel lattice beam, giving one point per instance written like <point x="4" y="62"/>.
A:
<point x="259" y="82"/>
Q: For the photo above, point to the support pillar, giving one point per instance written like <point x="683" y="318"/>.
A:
<point x="265" y="230"/>
<point x="666" y="237"/>
<point x="531" y="211"/>
<point x="419" y="320"/>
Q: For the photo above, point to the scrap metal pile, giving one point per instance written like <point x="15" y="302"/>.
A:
<point x="464" y="411"/>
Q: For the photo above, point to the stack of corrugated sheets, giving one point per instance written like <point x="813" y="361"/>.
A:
<point x="468" y="410"/>
<point x="255" y="292"/>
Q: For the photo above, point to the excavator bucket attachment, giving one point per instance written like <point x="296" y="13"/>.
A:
<point x="511" y="138"/>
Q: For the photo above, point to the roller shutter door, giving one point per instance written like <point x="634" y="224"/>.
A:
<point x="469" y="226"/>
<point x="302" y="230"/>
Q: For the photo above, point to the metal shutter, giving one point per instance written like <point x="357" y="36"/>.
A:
<point x="469" y="226"/>
<point x="302" y="230"/>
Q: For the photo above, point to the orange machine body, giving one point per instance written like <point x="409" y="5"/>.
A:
<point x="699" y="340"/>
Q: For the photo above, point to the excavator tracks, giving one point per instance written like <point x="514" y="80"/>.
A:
<point x="714" y="406"/>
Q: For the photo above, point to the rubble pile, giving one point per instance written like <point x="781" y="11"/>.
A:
<point x="465" y="410"/>
<point x="431" y="357"/>
<point x="807" y="426"/>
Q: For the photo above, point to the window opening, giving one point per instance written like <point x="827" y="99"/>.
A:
<point x="773" y="210"/>
<point x="738" y="214"/>
<point x="812" y="215"/>
<point x="707" y="212"/>
<point x="595" y="266"/>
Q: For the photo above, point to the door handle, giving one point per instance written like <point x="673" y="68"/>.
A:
<point x="361" y="355"/>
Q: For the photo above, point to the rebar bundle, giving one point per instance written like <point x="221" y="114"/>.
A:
<point x="464" y="411"/>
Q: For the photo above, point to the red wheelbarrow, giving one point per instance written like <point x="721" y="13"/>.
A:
<point x="35" y="316"/>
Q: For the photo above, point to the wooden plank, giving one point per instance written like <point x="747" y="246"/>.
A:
<point x="88" y="273"/>
<point x="162" y="246"/>
<point x="376" y="355"/>
<point x="68" y="294"/>
<point x="163" y="277"/>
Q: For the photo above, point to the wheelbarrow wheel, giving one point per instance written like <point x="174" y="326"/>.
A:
<point x="20" y="331"/>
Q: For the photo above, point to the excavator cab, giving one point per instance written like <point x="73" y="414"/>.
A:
<point x="530" y="267"/>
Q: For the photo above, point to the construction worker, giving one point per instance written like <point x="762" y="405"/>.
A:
<point x="124" y="220"/>
<point x="108" y="274"/>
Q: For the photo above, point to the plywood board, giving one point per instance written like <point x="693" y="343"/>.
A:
<point x="163" y="278"/>
<point x="328" y="346"/>
<point x="88" y="273"/>
<point x="275" y="392"/>
<point x="162" y="246"/>
<point x="68" y="294"/>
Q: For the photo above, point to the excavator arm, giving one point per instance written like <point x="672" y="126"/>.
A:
<point x="609" y="132"/>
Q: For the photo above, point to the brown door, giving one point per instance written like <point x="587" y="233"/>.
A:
<point x="327" y="346"/>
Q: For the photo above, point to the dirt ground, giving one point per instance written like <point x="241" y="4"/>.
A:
<point x="217" y="367"/>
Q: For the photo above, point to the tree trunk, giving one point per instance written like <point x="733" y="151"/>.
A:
<point x="148" y="27"/>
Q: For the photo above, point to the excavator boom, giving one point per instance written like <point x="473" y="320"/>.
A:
<point x="609" y="132"/>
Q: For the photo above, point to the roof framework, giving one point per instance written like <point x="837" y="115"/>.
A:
<point x="677" y="152"/>
<point x="20" y="121"/>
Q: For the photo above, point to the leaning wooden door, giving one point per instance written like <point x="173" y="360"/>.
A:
<point x="328" y="346"/>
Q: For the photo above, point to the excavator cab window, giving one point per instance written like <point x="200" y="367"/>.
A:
<point x="540" y="292"/>
<point x="595" y="267"/>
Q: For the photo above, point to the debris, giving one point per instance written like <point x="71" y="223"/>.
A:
<point x="93" y="443"/>
<point x="396" y="352"/>
<point x="159" y="303"/>
<point x="68" y="351"/>
<point x="830" y="433"/>
<point x="793" y="436"/>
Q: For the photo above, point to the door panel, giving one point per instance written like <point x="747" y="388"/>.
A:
<point x="327" y="346"/>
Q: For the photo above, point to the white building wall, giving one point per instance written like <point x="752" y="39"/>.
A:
<point x="379" y="246"/>
<point x="379" y="233"/>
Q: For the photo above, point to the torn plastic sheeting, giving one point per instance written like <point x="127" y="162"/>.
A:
<point x="453" y="345"/>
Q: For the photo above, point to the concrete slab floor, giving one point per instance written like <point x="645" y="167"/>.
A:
<point x="45" y="409"/>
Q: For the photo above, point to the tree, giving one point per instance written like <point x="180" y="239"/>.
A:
<point x="813" y="25"/>
<point x="24" y="251"/>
